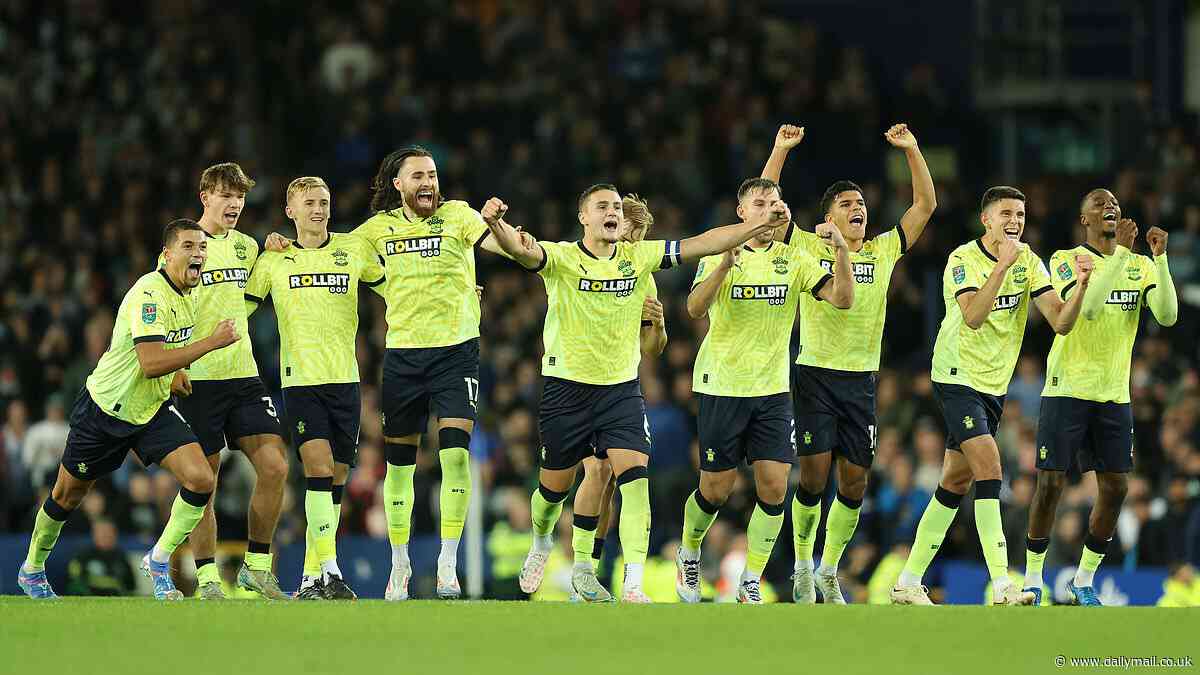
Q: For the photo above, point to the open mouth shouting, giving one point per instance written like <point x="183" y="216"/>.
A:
<point x="193" y="272"/>
<point x="231" y="217"/>
<point x="425" y="199"/>
<point x="612" y="226"/>
<point x="1012" y="232"/>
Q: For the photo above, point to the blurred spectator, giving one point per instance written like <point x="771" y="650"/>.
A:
<point x="102" y="569"/>
<point x="44" y="444"/>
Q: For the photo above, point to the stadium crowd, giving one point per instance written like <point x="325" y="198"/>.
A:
<point x="108" y="116"/>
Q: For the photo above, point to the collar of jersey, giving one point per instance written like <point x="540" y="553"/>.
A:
<point x="983" y="248"/>
<point x="328" y="238"/>
<point x="405" y="218"/>
<point x="170" y="283"/>
<point x="1089" y="247"/>
<point x="593" y="255"/>
<point x="751" y="249"/>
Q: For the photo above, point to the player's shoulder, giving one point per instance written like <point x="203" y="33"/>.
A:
<point x="965" y="252"/>
<point x="456" y="209"/>
<point x="804" y="239"/>
<point x="380" y="222"/>
<point x="154" y="285"/>
<point x="244" y="239"/>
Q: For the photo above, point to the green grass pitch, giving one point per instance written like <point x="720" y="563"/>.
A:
<point x="89" y="635"/>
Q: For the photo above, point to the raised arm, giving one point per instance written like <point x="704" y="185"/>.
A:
<point x="723" y="238"/>
<point x="156" y="360"/>
<point x="508" y="239"/>
<point x="976" y="305"/>
<point x="839" y="293"/>
<point x="703" y="293"/>
<point x="1114" y="266"/>
<point x="924" y="199"/>
<point x="1062" y="315"/>
<point x="1164" y="304"/>
<point x="788" y="137"/>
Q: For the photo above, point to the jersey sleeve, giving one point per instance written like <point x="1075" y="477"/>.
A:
<point x="657" y="254"/>
<point x="891" y="244"/>
<point x="1064" y="273"/>
<point x="961" y="276"/>
<point x="472" y="227"/>
<point x="1039" y="276"/>
<point x="372" y="273"/>
<point x="367" y="232"/>
<point x="552" y="259"/>
<point x="252" y="251"/>
<point x="258" y="287"/>
<point x="705" y="268"/>
<point x="810" y="276"/>
<point x="147" y="316"/>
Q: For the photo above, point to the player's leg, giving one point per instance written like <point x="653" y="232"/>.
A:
<point x="545" y="507"/>
<point x="206" y="411"/>
<point x="203" y="540"/>
<point x="191" y="468"/>
<point x="699" y="511"/>
<point x="405" y="410"/>
<point x="454" y="390"/>
<point x="1062" y="424"/>
<point x="1111" y="445"/>
<point x="770" y="482"/>
<point x="321" y="515"/>
<point x="932" y="528"/>
<point x="597" y="474"/>
<point x="66" y="495"/>
<point x="815" y="413"/>
<point x="1050" y="485"/>
<point x="607" y="497"/>
<point x="633" y="480"/>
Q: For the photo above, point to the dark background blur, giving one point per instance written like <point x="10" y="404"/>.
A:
<point x="109" y="111"/>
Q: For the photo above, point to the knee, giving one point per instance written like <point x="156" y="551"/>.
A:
<point x="1113" y="488"/>
<point x="199" y="478"/>
<point x="958" y="483"/>
<point x="273" y="467"/>
<point x="812" y="481"/>
<point x="853" y="484"/>
<point x="69" y="496"/>
<point x="772" y="491"/>
<point x="715" y="488"/>
<point x="1050" y="484"/>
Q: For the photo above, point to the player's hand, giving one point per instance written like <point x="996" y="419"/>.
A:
<point x="1084" y="264"/>
<point x="276" y="242"/>
<point x="225" y="334"/>
<point x="831" y="234"/>
<point x="493" y="211"/>
<point x="479" y="292"/>
<point x="900" y="136"/>
<point x="1009" y="251"/>
<point x="1127" y="232"/>
<point x="1157" y="238"/>
<point x="731" y="258"/>
<point x="181" y="384"/>
<point x="652" y="311"/>
<point x="789" y="136"/>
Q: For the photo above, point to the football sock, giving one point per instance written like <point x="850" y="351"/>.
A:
<point x="398" y="496"/>
<point x="806" y="515"/>
<point x="583" y="539"/>
<point x="545" y="507"/>
<point x="187" y="510"/>
<point x="318" y="509"/>
<point x="635" y="517"/>
<point x="936" y="520"/>
<point x="207" y="571"/>
<point x="761" y="534"/>
<point x="456" y="481"/>
<point x="1035" y="557"/>
<point x="698" y="516"/>
<point x="839" y="530"/>
<point x="258" y="556"/>
<point x="46" y="528"/>
<point x="1094" y="549"/>
<point x="991" y="531"/>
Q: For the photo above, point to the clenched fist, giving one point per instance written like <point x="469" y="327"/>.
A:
<point x="652" y="311"/>
<point x="225" y="334"/>
<point x="1127" y="232"/>
<point x="789" y="136"/>
<point x="900" y="136"/>
<point x="1085" y="265"/>
<point x="1157" y="238"/>
<point x="493" y="211"/>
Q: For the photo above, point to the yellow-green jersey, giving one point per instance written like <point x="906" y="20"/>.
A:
<point x="594" y="315"/>
<point x="219" y="296"/>
<point x="745" y="352"/>
<point x="154" y="310"/>
<point x="1092" y="361"/>
<point x="984" y="359"/>
<point x="315" y="291"/>
<point x="430" y="265"/>
<point x="849" y="339"/>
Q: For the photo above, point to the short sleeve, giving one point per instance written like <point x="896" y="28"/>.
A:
<point x="473" y="229"/>
<point x="810" y="275"/>
<point x="892" y="244"/>
<point x="658" y="254"/>
<point x="1039" y="276"/>
<point x="1063" y="272"/>
<point x="372" y="273"/>
<point x="960" y="276"/>
<point x="553" y="255"/>
<point x="147" y="316"/>
<point x="705" y="268"/>
<point x="366" y="232"/>
<point x="259" y="284"/>
<point x="252" y="252"/>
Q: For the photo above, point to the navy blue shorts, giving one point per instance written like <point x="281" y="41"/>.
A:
<point x="330" y="412"/>
<point x="1098" y="435"/>
<point x="576" y="420"/>
<point x="734" y="429"/>
<point x="967" y="413"/>
<point x="416" y="382"/>
<point x="835" y="412"/>
<point x="222" y="411"/>
<point x="98" y="442"/>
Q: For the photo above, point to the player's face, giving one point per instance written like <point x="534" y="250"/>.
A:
<point x="310" y="209"/>
<point x="602" y="216"/>
<point x="417" y="183"/>
<point x="186" y="255"/>
<point x="1004" y="219"/>
<point x="1101" y="212"/>
<point x="224" y="204"/>
<point x="754" y="204"/>
<point x="849" y="213"/>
